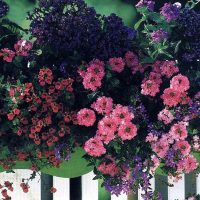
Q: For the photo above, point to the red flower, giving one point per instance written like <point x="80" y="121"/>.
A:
<point x="7" y="54"/>
<point x="16" y="111"/>
<point x="12" y="92"/>
<point x="4" y="193"/>
<point x="24" y="187"/>
<point x="10" y="116"/>
<point x="53" y="190"/>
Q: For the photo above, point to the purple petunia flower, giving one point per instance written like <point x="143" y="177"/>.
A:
<point x="146" y="3"/>
<point x="170" y="12"/>
<point x="159" y="35"/>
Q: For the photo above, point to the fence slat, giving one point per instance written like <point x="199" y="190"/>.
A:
<point x="190" y="184"/>
<point x="198" y="184"/>
<point x="16" y="178"/>
<point x="161" y="186"/>
<point x="62" y="186"/>
<point x="46" y="184"/>
<point x="178" y="190"/>
<point x="75" y="189"/>
<point x="121" y="197"/>
<point x="89" y="187"/>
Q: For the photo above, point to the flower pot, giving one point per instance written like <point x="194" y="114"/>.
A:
<point x="75" y="167"/>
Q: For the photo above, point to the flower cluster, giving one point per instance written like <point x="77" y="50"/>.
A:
<point x="117" y="122"/>
<point x="21" y="48"/>
<point x="170" y="12"/>
<point x="80" y="84"/>
<point x="105" y="36"/>
<point x="93" y="75"/>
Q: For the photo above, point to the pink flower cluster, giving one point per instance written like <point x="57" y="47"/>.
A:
<point x="151" y="85"/>
<point x="94" y="147"/>
<point x="165" y="116"/>
<point x="86" y="117"/>
<point x="117" y="121"/>
<point x="22" y="47"/>
<point x="168" y="68"/>
<point x="103" y="105"/>
<point x="179" y="131"/>
<point x="108" y="168"/>
<point x="177" y="92"/>
<point x="117" y="64"/>
<point x="93" y="75"/>
<point x="132" y="61"/>
<point x="175" y="139"/>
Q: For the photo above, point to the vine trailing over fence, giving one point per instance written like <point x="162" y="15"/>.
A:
<point x="128" y="98"/>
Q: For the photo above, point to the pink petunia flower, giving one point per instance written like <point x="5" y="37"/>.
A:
<point x="86" y="117"/>
<point x="179" y="131"/>
<point x="91" y="82"/>
<point x="150" y="88"/>
<point x="107" y="128"/>
<point x="155" y="77"/>
<point x="165" y="116"/>
<point x="183" y="146"/>
<point x="187" y="165"/>
<point x="121" y="114"/>
<point x="171" y="97"/>
<point x="110" y="168"/>
<point x="103" y="105"/>
<point x="117" y="64"/>
<point x="161" y="147"/>
<point x="180" y="83"/>
<point x="127" y="131"/>
<point x="94" y="147"/>
<point x="97" y="69"/>
<point x="169" y="68"/>
<point x="7" y="54"/>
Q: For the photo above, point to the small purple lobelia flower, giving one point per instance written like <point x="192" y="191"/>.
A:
<point x="159" y="35"/>
<point x="3" y="8"/>
<point x="170" y="12"/>
<point x="146" y="3"/>
<point x="58" y="150"/>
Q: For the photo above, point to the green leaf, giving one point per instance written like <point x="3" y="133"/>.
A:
<point x="197" y="156"/>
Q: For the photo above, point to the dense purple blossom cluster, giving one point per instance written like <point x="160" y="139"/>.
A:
<point x="80" y="32"/>
<point x="190" y="27"/>
<point x="3" y="8"/>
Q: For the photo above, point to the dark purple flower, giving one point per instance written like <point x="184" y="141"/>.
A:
<point x="170" y="12"/>
<point x="3" y="8"/>
<point x="159" y="35"/>
<point x="146" y="3"/>
<point x="74" y="31"/>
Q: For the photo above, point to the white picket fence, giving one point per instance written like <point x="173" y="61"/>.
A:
<point x="89" y="187"/>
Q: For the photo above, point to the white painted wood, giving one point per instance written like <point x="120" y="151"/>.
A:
<point x="121" y="197"/>
<point x="198" y="184"/>
<point x="89" y="187"/>
<point x="178" y="191"/>
<point x="16" y="178"/>
<point x="63" y="188"/>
